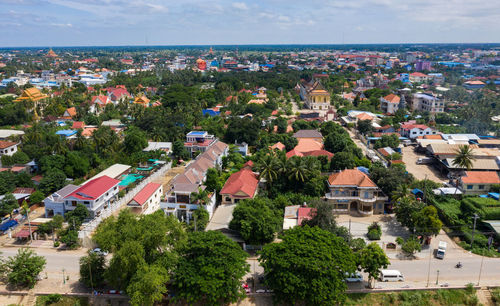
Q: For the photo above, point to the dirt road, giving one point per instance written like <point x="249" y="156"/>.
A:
<point x="410" y="158"/>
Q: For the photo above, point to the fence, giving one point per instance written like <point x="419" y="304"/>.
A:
<point x="90" y="226"/>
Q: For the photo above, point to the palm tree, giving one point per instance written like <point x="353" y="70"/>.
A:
<point x="268" y="168"/>
<point x="297" y="169"/>
<point x="401" y="192"/>
<point x="200" y="197"/>
<point x="463" y="159"/>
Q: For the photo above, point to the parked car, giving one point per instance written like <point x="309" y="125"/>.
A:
<point x="98" y="251"/>
<point x="354" y="277"/>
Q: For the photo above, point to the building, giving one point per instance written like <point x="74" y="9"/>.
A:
<point x="162" y="146"/>
<point x="96" y="194"/>
<point x="54" y="204"/>
<point x="239" y="186"/>
<point x="478" y="182"/>
<point x="389" y="104"/>
<point x="201" y="64"/>
<point x="142" y="100"/>
<point x="8" y="147"/>
<point x="412" y="130"/>
<point x="32" y="94"/>
<point x="314" y="95"/>
<point x="5" y="134"/>
<point x="98" y="103"/>
<point x="147" y="201"/>
<point x="309" y="134"/>
<point x="353" y="192"/>
<point x="198" y="141"/>
<point x="295" y="214"/>
<point x="419" y="77"/>
<point x="69" y="113"/>
<point x="423" y="65"/>
<point x="115" y="171"/>
<point x="474" y="84"/>
<point x="427" y="103"/>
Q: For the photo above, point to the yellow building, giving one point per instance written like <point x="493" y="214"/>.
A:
<point x="32" y="94"/>
<point x="314" y="95"/>
<point x="51" y="53"/>
<point x="143" y="100"/>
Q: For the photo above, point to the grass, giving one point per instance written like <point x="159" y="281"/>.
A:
<point x="495" y="295"/>
<point x="416" y="298"/>
<point x="58" y="300"/>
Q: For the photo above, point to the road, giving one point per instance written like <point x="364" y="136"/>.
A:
<point x="56" y="260"/>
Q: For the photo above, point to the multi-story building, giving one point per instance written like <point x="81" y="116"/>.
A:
<point x="199" y="141"/>
<point x="423" y="65"/>
<point x="54" y="204"/>
<point x="314" y="95"/>
<point x="389" y="104"/>
<point x="353" y="192"/>
<point x="147" y="201"/>
<point x="427" y="103"/>
<point x="413" y="130"/>
<point x="8" y="147"/>
<point x="96" y="195"/>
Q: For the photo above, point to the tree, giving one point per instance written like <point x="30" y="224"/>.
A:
<point x="70" y="238"/>
<point x="36" y="197"/>
<point x="200" y="219"/>
<point x="268" y="168"/>
<point x="8" y="204"/>
<point x="135" y="140"/>
<point x="210" y="269"/>
<point x="20" y="157"/>
<point x="24" y="268"/>
<point x="464" y="158"/>
<point x="148" y="286"/>
<point x="125" y="263"/>
<point x="427" y="221"/>
<point x="52" y="181"/>
<point x="77" y="216"/>
<point x="372" y="260"/>
<point x="342" y="160"/>
<point x="179" y="150"/>
<point x="405" y="211"/>
<point x="256" y="221"/>
<point x="322" y="216"/>
<point x="409" y="246"/>
<point x="92" y="269"/>
<point x="365" y="126"/>
<point x="308" y="266"/>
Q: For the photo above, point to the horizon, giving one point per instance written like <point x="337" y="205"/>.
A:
<point x="65" y="23"/>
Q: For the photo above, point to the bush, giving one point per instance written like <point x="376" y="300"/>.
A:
<point x="374" y="231"/>
<point x="53" y="298"/>
<point x="449" y="211"/>
<point x="57" y="244"/>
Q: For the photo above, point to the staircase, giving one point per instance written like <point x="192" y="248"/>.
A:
<point x="484" y="296"/>
<point x="30" y="299"/>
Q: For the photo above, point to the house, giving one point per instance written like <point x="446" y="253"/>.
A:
<point x="304" y="146"/>
<point x="5" y="134"/>
<point x="98" y="103"/>
<point x="352" y="191"/>
<point x="478" y="182"/>
<point x="314" y="95"/>
<point x="147" y="200"/>
<point x="198" y="141"/>
<point x="389" y="104"/>
<point x="474" y="84"/>
<point x="239" y="186"/>
<point x="427" y="102"/>
<point x="309" y="134"/>
<point x="78" y="125"/>
<point x="279" y="146"/>
<point x="142" y="100"/>
<point x="419" y="77"/>
<point x="54" y="204"/>
<point x="412" y="130"/>
<point x="8" y="147"/>
<point x="118" y="94"/>
<point x="22" y="194"/>
<point x="295" y="214"/>
<point x="96" y="195"/>
<point x="69" y="113"/>
<point x="162" y="146"/>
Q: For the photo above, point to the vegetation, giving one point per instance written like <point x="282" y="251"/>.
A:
<point x="24" y="268"/>
<point x="447" y="297"/>
<point x="374" y="231"/>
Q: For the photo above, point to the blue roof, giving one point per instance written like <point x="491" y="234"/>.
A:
<point x="364" y="170"/>
<point x="494" y="195"/>
<point x="7" y="225"/>
<point x="416" y="191"/>
<point x="196" y="133"/>
<point x="210" y="112"/>
<point x="66" y="133"/>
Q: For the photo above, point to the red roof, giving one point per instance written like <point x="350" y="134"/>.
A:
<point x="392" y="98"/>
<point x="304" y="213"/>
<point x="78" y="125"/>
<point x="418" y="74"/>
<point x="481" y="177"/>
<point x="414" y="126"/>
<point x="94" y="188"/>
<point x="142" y="196"/>
<point x="6" y="144"/>
<point x="248" y="164"/>
<point x="102" y="100"/>
<point x="242" y="183"/>
<point x="351" y="177"/>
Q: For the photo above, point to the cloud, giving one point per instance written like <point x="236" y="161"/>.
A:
<point x="240" y="6"/>
<point x="62" y="25"/>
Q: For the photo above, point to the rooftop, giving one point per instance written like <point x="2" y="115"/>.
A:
<point x="95" y="188"/>
<point x="351" y="177"/>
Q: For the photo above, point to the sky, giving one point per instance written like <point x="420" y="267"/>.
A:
<point x="211" y="22"/>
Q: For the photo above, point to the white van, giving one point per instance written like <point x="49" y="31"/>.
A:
<point x="391" y="276"/>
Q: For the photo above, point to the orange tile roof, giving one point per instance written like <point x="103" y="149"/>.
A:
<point x="242" y="182"/>
<point x="308" y="145"/>
<point x="481" y="177"/>
<point x="364" y="116"/>
<point x="71" y="111"/>
<point x="278" y="146"/>
<point x="392" y="98"/>
<point x="351" y="177"/>
<point x="6" y="144"/>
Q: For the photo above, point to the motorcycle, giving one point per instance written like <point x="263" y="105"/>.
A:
<point x="458" y="265"/>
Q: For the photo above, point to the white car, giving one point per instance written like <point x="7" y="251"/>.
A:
<point x="98" y="251"/>
<point x="354" y="277"/>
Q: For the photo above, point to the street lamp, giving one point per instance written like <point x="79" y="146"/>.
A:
<point x="64" y="278"/>
<point x="437" y="277"/>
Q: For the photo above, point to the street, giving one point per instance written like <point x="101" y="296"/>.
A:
<point x="56" y="260"/>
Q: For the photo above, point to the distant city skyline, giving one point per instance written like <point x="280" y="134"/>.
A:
<point x="32" y="23"/>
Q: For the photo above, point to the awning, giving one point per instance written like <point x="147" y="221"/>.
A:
<point x="22" y="234"/>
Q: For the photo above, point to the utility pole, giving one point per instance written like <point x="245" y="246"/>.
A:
<point x="90" y="272"/>
<point x="425" y="181"/>
<point x="429" y="268"/>
<point x="474" y="229"/>
<point x="480" y="270"/>
<point x="437" y="277"/>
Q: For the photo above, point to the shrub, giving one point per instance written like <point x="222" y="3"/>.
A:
<point x="53" y="298"/>
<point x="57" y="244"/>
<point x="448" y="211"/>
<point x="374" y="231"/>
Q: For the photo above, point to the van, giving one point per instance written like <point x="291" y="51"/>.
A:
<point x="441" y="250"/>
<point x="391" y="276"/>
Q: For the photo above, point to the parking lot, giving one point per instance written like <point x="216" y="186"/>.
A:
<point x="410" y="158"/>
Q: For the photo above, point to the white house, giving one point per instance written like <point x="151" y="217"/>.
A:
<point x="147" y="201"/>
<point x="8" y="147"/>
<point x="412" y="130"/>
<point x="54" y="204"/>
<point x="96" y="195"/>
<point x="427" y="102"/>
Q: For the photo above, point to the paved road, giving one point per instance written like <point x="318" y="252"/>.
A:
<point x="56" y="260"/>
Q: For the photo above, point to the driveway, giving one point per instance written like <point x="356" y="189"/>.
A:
<point x="221" y="218"/>
<point x="410" y="158"/>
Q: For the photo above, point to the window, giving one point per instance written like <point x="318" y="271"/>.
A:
<point x="86" y="202"/>
<point x="469" y="187"/>
<point x="481" y="186"/>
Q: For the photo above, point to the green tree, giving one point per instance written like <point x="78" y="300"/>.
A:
<point x="372" y="260"/>
<point x="135" y="140"/>
<point x="70" y="238"/>
<point x="179" y="150"/>
<point x="342" y="160"/>
<point x="92" y="269"/>
<point x="200" y="219"/>
<point x="210" y="269"/>
<point x="308" y="266"/>
<point x="365" y="126"/>
<point x="323" y="216"/>
<point x="256" y="221"/>
<point x="125" y="263"/>
<point x="148" y="286"/>
<point x="24" y="268"/>
<point x="36" y="197"/>
<point x="406" y="210"/>
<point x="77" y="216"/>
<point x="20" y="158"/>
<point x="427" y="221"/>
<point x="52" y="181"/>
<point x="409" y="246"/>
<point x="464" y="158"/>
<point x="8" y="204"/>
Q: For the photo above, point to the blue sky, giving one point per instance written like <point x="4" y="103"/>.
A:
<point x="168" y="22"/>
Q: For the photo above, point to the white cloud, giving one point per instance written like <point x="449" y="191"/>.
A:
<point x="240" y="6"/>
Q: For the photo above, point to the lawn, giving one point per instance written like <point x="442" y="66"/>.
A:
<point x="58" y="300"/>
<point x="415" y="298"/>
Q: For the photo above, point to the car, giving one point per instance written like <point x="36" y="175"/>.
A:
<point x="354" y="277"/>
<point x="98" y="251"/>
